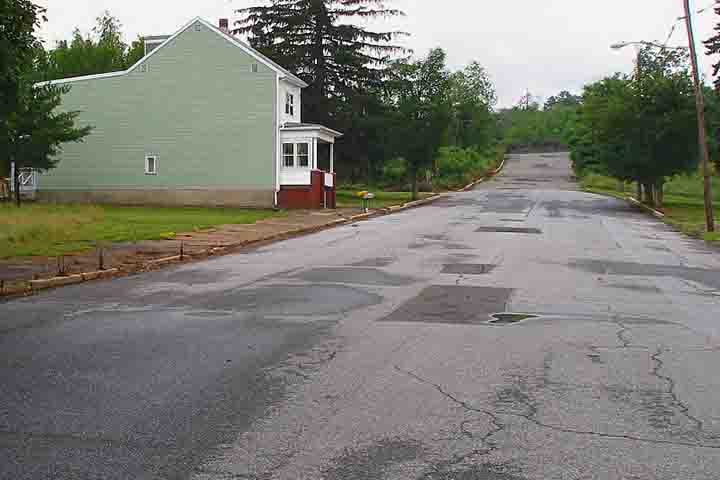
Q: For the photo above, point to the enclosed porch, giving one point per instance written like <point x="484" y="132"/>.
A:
<point x="307" y="166"/>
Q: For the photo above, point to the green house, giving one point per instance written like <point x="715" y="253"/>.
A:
<point x="202" y="119"/>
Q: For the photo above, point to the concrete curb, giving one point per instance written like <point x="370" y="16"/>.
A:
<point x="652" y="211"/>
<point x="163" y="261"/>
<point x="480" y="180"/>
<point x="54" y="282"/>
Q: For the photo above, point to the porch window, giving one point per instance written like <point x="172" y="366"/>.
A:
<point x="296" y="155"/>
<point x="289" y="154"/>
<point x="303" y="155"/>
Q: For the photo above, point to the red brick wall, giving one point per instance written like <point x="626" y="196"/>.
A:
<point x="310" y="197"/>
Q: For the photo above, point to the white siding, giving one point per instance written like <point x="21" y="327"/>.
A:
<point x="285" y="88"/>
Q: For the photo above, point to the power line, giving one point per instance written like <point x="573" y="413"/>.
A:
<point x="673" y="29"/>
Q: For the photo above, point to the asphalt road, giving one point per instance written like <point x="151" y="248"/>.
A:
<point x="371" y="352"/>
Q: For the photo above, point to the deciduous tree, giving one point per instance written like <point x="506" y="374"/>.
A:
<point x="38" y="129"/>
<point x="422" y="95"/>
<point x="18" y="19"/>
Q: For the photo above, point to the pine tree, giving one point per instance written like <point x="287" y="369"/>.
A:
<point x="712" y="47"/>
<point x="322" y="42"/>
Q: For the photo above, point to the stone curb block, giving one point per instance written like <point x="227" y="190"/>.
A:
<point x="23" y="289"/>
<point x="110" y="272"/>
<point x="162" y="261"/>
<point x="45" y="283"/>
<point x="56" y="282"/>
<point x="647" y="208"/>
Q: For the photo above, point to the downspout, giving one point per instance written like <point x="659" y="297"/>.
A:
<point x="278" y="146"/>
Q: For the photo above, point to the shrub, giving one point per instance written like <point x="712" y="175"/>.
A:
<point x="395" y="171"/>
<point x="458" y="166"/>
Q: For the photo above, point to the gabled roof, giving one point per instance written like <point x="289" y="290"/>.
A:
<point x="283" y="73"/>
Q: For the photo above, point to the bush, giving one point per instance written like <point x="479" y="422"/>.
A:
<point x="460" y="166"/>
<point x="395" y="172"/>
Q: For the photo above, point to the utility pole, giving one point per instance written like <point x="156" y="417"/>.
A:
<point x="700" y="106"/>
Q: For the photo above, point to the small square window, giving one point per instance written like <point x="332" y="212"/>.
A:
<point x="198" y="27"/>
<point x="151" y="164"/>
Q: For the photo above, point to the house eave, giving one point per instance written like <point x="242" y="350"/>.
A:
<point x="282" y="73"/>
<point x="312" y="128"/>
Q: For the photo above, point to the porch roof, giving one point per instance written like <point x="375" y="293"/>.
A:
<point x="311" y="128"/>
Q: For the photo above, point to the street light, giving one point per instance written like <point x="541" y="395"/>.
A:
<point x="644" y="43"/>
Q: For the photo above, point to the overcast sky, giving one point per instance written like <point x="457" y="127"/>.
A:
<point x="544" y="46"/>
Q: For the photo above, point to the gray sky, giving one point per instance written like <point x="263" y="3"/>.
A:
<point x="544" y="46"/>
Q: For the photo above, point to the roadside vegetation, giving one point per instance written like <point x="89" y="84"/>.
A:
<point x="50" y="230"/>
<point x="683" y="202"/>
<point x="632" y="134"/>
<point x="348" y="197"/>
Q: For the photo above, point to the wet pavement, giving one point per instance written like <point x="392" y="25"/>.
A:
<point x="523" y="330"/>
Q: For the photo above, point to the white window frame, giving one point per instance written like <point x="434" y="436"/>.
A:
<point x="290" y="104"/>
<point x="155" y="158"/>
<point x="296" y="155"/>
<point x="307" y="155"/>
<point x="284" y="155"/>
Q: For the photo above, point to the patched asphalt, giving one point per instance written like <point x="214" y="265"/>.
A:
<point x="523" y="330"/>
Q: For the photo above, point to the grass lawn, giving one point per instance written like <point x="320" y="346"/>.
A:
<point x="348" y="198"/>
<point x="683" y="203"/>
<point x="50" y="230"/>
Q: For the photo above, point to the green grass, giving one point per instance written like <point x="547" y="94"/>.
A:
<point x="50" y="230"/>
<point x="349" y="198"/>
<point x="683" y="203"/>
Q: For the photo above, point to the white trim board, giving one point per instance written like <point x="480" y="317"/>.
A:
<point x="284" y="74"/>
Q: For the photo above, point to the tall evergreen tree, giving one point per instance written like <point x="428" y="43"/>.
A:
<point x="422" y="94"/>
<point x="318" y="40"/>
<point x="712" y="47"/>
<point x="344" y="63"/>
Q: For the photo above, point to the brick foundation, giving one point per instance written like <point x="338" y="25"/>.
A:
<point x="313" y="196"/>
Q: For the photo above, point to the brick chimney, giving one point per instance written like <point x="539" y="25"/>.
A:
<point x="224" y="25"/>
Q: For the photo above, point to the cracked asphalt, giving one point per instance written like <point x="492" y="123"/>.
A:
<point x="370" y="351"/>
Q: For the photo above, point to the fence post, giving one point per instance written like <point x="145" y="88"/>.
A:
<point x="101" y="257"/>
<point x="61" y="266"/>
